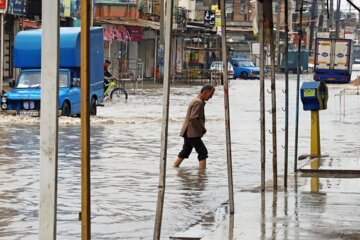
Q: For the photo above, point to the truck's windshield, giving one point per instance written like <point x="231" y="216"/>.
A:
<point x="245" y="63"/>
<point x="32" y="79"/>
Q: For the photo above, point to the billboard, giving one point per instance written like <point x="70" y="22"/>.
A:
<point x="17" y="7"/>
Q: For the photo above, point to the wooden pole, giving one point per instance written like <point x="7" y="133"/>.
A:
<point x="286" y="94"/>
<point x="85" y="215"/>
<point x="226" y="105"/>
<point x="273" y="110"/>
<point x="168" y="6"/>
<point x="49" y="119"/>
<point x="262" y="92"/>
<point x="298" y="88"/>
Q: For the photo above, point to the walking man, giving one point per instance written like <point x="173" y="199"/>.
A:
<point x="194" y="128"/>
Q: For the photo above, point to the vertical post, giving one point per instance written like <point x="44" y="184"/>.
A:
<point x="226" y="105"/>
<point x="85" y="120"/>
<point x="273" y="110"/>
<point x="298" y="87"/>
<point x="278" y="27"/>
<point x="315" y="148"/>
<point x="262" y="92"/>
<point x="286" y="94"/>
<point x="168" y="6"/>
<point x="155" y="57"/>
<point x="49" y="119"/>
<point x="2" y="53"/>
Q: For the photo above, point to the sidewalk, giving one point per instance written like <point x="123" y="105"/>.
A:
<point x="332" y="213"/>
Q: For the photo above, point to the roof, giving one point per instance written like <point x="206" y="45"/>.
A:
<point x="132" y="22"/>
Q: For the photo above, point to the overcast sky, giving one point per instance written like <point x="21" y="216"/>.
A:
<point x="345" y="5"/>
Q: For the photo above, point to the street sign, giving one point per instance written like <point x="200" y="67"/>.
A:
<point x="209" y="18"/>
<point x="17" y="7"/>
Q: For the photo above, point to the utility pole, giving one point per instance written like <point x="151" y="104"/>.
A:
<point x="278" y="28"/>
<point x="312" y="23"/>
<point x="337" y="18"/>
<point x="49" y="119"/>
<point x="331" y="15"/>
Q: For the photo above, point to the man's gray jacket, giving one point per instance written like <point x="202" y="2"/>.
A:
<point x="194" y="124"/>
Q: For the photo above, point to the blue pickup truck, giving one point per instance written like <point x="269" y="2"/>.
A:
<point x="244" y="68"/>
<point x="25" y="98"/>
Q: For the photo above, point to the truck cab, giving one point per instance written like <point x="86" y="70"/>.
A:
<point x="244" y="68"/>
<point x="26" y="96"/>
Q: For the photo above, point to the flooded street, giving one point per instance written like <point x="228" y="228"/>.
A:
<point x="125" y="155"/>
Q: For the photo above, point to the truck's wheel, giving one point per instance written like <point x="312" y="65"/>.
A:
<point x="93" y="106"/>
<point x="65" y="110"/>
<point x="244" y="75"/>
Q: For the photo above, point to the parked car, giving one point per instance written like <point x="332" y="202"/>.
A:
<point x="218" y="66"/>
<point x="244" y="68"/>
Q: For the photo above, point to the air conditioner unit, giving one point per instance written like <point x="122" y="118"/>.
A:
<point x="147" y="7"/>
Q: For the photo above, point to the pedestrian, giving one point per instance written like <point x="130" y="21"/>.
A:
<point x="194" y="128"/>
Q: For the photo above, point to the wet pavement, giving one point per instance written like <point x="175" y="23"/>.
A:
<point x="125" y="148"/>
<point x="294" y="214"/>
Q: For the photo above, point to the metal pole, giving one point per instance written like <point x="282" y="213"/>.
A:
<point x="278" y="27"/>
<point x="168" y="6"/>
<point x="2" y="54"/>
<point x="286" y="94"/>
<point x="298" y="87"/>
<point x="85" y="215"/>
<point x="226" y="105"/>
<point x="273" y="110"/>
<point x="262" y="93"/>
<point x="49" y="119"/>
<point x="155" y="58"/>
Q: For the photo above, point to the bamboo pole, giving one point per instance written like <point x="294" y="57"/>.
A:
<point x="298" y="87"/>
<point x="85" y="215"/>
<point x="168" y="6"/>
<point x="262" y="92"/>
<point x="49" y="119"/>
<point x="226" y="105"/>
<point x="286" y="94"/>
<point x="273" y="110"/>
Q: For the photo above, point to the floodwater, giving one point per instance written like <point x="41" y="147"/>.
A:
<point x="125" y="155"/>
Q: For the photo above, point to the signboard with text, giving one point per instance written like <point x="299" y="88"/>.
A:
<point x="209" y="18"/>
<point x="217" y="15"/>
<point x="17" y="7"/>
<point x="3" y="6"/>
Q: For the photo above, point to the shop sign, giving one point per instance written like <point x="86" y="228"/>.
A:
<point x="18" y="7"/>
<point x="209" y="18"/>
<point x="135" y="33"/>
<point x="3" y="5"/>
<point x="217" y="15"/>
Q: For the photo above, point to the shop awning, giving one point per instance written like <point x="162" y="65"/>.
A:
<point x="132" y="22"/>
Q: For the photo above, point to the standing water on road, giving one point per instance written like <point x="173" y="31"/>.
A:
<point x="125" y="155"/>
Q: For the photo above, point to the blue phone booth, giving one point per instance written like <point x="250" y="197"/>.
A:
<point x="314" y="96"/>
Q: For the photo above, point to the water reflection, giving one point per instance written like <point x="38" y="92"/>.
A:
<point x="193" y="183"/>
<point x="262" y="222"/>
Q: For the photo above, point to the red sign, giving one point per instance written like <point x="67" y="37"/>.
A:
<point x="135" y="33"/>
<point x="3" y="5"/>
